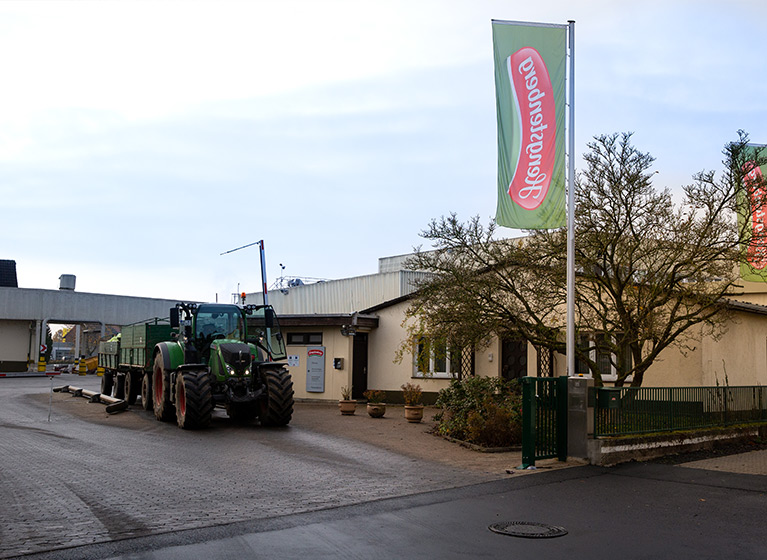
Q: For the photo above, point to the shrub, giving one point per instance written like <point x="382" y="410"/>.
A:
<point x="374" y="396"/>
<point x="412" y="394"/>
<point x="482" y="410"/>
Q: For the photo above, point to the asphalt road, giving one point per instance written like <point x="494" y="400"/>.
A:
<point x="88" y="485"/>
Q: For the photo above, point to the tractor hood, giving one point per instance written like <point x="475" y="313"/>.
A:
<point x="234" y="358"/>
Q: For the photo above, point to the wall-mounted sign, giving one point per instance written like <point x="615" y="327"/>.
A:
<point x="315" y="369"/>
<point x="294" y="360"/>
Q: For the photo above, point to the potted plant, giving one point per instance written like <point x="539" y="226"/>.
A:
<point x="376" y="407"/>
<point x="347" y="405"/>
<point x="413" y="407"/>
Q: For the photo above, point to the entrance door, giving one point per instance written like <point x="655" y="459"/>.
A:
<point x="513" y="358"/>
<point x="359" y="365"/>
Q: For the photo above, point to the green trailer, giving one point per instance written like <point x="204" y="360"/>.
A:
<point x="128" y="357"/>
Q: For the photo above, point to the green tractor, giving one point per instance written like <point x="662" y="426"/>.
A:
<point x="214" y="361"/>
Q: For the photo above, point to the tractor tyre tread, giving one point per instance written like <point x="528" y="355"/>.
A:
<point x="146" y="391"/>
<point x="194" y="400"/>
<point x="164" y="410"/>
<point x="278" y="408"/>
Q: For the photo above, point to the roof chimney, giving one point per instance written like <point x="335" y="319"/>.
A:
<point x="67" y="282"/>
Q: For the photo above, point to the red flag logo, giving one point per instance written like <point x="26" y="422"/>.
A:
<point x="536" y="114"/>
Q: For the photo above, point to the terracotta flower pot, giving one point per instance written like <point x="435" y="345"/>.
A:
<point x="347" y="408"/>
<point x="413" y="413"/>
<point x="376" y="410"/>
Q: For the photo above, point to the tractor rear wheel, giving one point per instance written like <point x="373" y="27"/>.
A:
<point x="146" y="392"/>
<point x="132" y="387"/>
<point x="163" y="407"/>
<point x="277" y="409"/>
<point x="107" y="381"/>
<point x="194" y="399"/>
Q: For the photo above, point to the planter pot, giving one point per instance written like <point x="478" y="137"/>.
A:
<point x="413" y="413"/>
<point x="347" y="408"/>
<point x="376" y="410"/>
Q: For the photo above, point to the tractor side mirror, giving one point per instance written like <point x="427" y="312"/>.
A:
<point x="174" y="319"/>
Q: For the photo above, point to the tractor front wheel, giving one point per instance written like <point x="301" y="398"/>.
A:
<point x="163" y="407"/>
<point x="194" y="399"/>
<point x="277" y="409"/>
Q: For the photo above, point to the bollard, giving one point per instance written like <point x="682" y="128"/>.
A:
<point x="82" y="369"/>
<point x="100" y="371"/>
<point x="41" y="365"/>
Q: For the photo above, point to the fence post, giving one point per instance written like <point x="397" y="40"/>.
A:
<point x="670" y="409"/>
<point x="562" y="418"/>
<point x="528" y="422"/>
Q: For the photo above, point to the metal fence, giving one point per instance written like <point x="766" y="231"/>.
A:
<point x="544" y="419"/>
<point x="640" y="410"/>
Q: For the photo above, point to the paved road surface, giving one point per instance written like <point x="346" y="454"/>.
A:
<point x="88" y="485"/>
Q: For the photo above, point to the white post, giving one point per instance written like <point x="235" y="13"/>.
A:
<point x="571" y="211"/>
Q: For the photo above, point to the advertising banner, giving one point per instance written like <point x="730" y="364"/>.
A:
<point x="530" y="68"/>
<point x="754" y="268"/>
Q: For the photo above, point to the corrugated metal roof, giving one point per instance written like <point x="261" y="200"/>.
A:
<point x="347" y="295"/>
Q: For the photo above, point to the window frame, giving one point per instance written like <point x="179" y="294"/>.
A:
<point x="447" y="356"/>
<point x="305" y="338"/>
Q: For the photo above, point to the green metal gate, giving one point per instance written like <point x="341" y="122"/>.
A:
<point x="544" y="419"/>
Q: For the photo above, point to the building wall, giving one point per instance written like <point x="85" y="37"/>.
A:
<point x="17" y="344"/>
<point x="739" y="357"/>
<point x="336" y="346"/>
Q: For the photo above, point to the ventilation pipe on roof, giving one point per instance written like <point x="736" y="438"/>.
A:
<point x="67" y="282"/>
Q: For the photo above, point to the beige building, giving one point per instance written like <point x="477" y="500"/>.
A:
<point x="357" y="326"/>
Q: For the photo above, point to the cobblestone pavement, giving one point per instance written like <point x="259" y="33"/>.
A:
<point x="88" y="477"/>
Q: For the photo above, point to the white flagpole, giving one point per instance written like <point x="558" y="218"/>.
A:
<point x="571" y="211"/>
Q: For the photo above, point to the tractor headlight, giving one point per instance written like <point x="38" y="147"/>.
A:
<point x="231" y="371"/>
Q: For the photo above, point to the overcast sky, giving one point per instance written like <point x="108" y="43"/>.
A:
<point x="139" y="140"/>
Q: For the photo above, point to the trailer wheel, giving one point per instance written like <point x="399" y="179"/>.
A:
<point x="194" y="399"/>
<point x="146" y="392"/>
<point x="163" y="407"/>
<point x="277" y="409"/>
<point x="107" y="381"/>
<point x="118" y="390"/>
<point x="132" y="387"/>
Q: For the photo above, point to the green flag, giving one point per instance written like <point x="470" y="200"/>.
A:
<point x="530" y="67"/>
<point x="754" y="267"/>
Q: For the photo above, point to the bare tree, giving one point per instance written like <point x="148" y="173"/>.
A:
<point x="648" y="270"/>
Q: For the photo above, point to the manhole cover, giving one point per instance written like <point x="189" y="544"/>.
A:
<point x="528" y="529"/>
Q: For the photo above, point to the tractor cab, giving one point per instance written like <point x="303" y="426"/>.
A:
<point x="215" y="321"/>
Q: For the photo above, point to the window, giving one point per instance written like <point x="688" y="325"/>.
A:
<point x="438" y="359"/>
<point x="304" y="339"/>
<point x="597" y="346"/>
